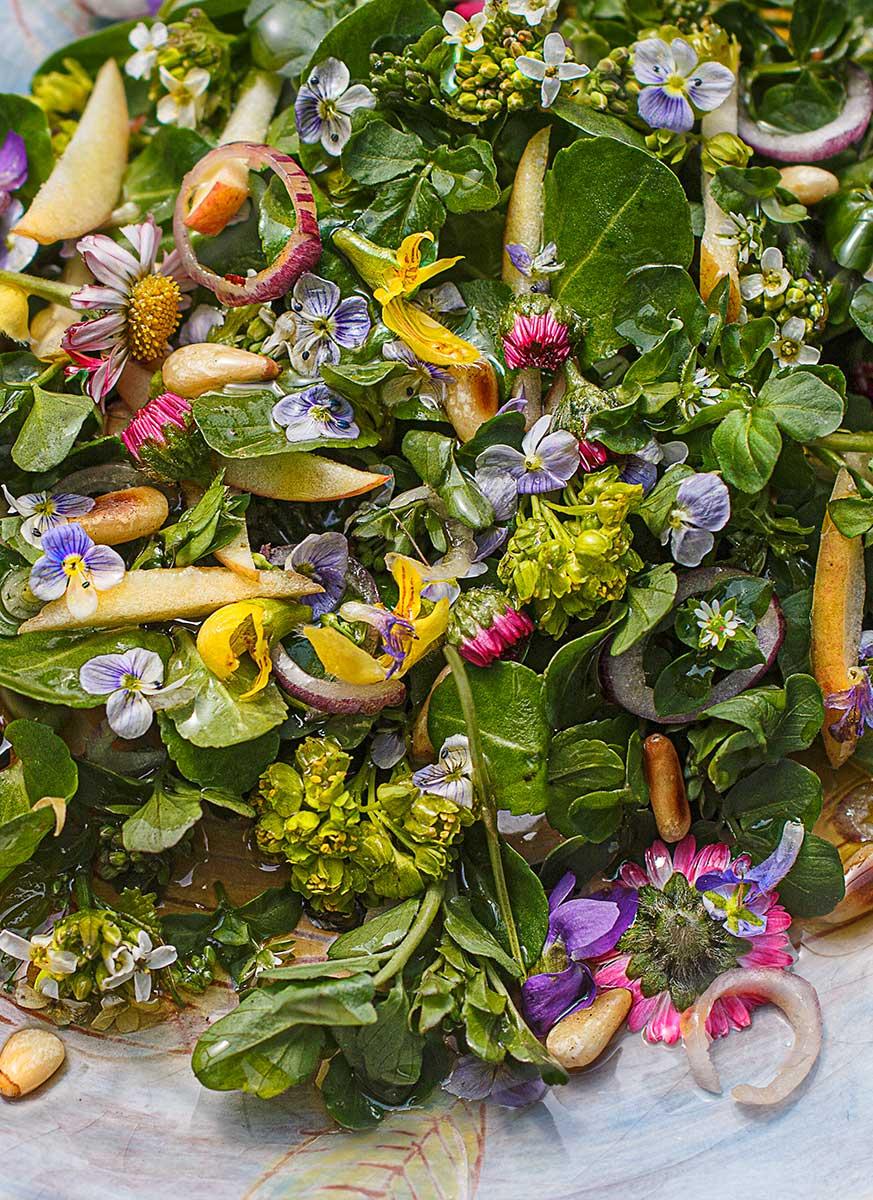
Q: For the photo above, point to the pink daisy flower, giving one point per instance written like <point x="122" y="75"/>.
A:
<point x="537" y="341"/>
<point x="139" y="300"/>
<point x="680" y="937"/>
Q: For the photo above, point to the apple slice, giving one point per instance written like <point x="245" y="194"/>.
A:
<point x="219" y="198"/>
<point x="14" y="313"/>
<point x="298" y="476"/>
<point x="83" y="188"/>
<point x="471" y="397"/>
<point x="124" y="516"/>
<point x="837" y="612"/>
<point x="169" y="594"/>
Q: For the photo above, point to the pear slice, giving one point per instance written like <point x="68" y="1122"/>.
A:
<point x="719" y="255"/>
<point x="837" y="612"/>
<point x="299" y="476"/>
<point x="83" y="188"/>
<point x="169" y="594"/>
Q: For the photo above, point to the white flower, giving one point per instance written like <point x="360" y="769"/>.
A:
<point x="57" y="962"/>
<point x="119" y="963"/>
<point x="146" y="42"/>
<point x="464" y="33"/>
<point x="452" y="774"/>
<point x="746" y="233"/>
<point x="184" y="100"/>
<point x="45" y="510"/>
<point x="203" y="318"/>
<point x="788" y="346"/>
<point x="772" y="279"/>
<point x="15" y="251"/>
<point x="325" y="103"/>
<point x="532" y="11"/>
<point x="148" y="958"/>
<point x="551" y="71"/>
<point x="717" y="625"/>
<point x="131" y="683"/>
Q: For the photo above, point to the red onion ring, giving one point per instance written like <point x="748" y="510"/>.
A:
<point x="817" y="144"/>
<point x="798" y="1001"/>
<point x="302" y="250"/>
<point x="623" y="677"/>
<point x="332" y="695"/>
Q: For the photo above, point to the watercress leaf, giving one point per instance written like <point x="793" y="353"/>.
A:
<point x="515" y="737"/>
<point x="815" y="26"/>
<point x="807" y="103"/>
<point x="861" y="310"/>
<point x="387" y="1052"/>
<point x="358" y="381"/>
<point x="274" y="913"/>
<point x="345" y="1099"/>
<point x="463" y="928"/>
<point x="48" y="767"/>
<point x="466" y="177"/>
<point x="635" y="214"/>
<point x="45" y="666"/>
<point x="578" y="764"/>
<point x="797" y="611"/>
<point x="328" y="966"/>
<point x="741" y="346"/>
<point x="652" y="296"/>
<point x="351" y="39"/>
<point x="241" y="426"/>
<point x="377" y="152"/>
<point x="852" y="515"/>
<point x="802" y="405"/>
<point x="530" y="907"/>
<point x="28" y="120"/>
<point x="577" y="854"/>
<point x="564" y="676"/>
<point x="285" y="33"/>
<point x="377" y="933"/>
<point x="173" y="808"/>
<point x="401" y="207"/>
<point x="596" y="816"/>
<point x="220" y="766"/>
<point x="152" y="180"/>
<point x="50" y="429"/>
<point x="815" y="884"/>
<point x="596" y="124"/>
<point x="20" y="837"/>
<point x="750" y="802"/>
<point x="801" y="716"/>
<point x="740" y="189"/>
<point x="649" y="598"/>
<point x="747" y="445"/>
<point x="216" y="716"/>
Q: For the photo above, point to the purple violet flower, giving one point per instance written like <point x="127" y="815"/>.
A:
<point x="547" y="461"/>
<point x="452" y="774"/>
<point x="740" y="896"/>
<point x="315" y="413"/>
<point x="673" y="78"/>
<point x="72" y="564"/>
<point x="702" y="507"/>
<point x="323" y="557"/>
<point x="387" y="748"/>
<point x="395" y="632"/>
<point x="13" y="167"/>
<point x="509" y="1084"/>
<point x="319" y="325"/>
<point x="642" y="467"/>
<point x="536" y="267"/>
<point x="855" y="703"/>
<point x="325" y="103"/>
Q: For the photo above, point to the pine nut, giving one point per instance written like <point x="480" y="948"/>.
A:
<point x="579" y="1039"/>
<point x="27" y="1060"/>
<point x="666" y="787"/>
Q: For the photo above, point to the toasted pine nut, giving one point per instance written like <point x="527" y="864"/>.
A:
<point x="27" y="1060"/>
<point x="123" y="516"/>
<point x="666" y="787"/>
<point x="577" y="1040"/>
<point x="809" y="184"/>
<point x="206" y="367"/>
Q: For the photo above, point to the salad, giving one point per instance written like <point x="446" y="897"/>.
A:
<point x="437" y="449"/>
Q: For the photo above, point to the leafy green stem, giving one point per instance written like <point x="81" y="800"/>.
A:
<point x="82" y="893"/>
<point x="485" y="793"/>
<point x="843" y="441"/>
<point x="837" y="463"/>
<point x="428" y="910"/>
<point x="45" y="289"/>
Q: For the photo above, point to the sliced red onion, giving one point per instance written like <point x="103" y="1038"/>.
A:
<point x="334" y="696"/>
<point x="301" y="252"/>
<point x="817" y="144"/>
<point x="798" y="1001"/>
<point x="623" y="677"/>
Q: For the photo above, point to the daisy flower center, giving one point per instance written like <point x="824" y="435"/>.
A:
<point x="152" y="315"/>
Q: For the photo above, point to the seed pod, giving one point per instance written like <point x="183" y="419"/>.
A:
<point x="206" y="366"/>
<point x="666" y="787"/>
<point x="809" y="184"/>
<point x="27" y="1060"/>
<point x="124" y="516"/>
<point x="579" y="1039"/>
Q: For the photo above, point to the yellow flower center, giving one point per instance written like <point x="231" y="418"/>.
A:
<point x="152" y="315"/>
<point x="788" y="348"/>
<point x="676" y="85"/>
<point x="74" y="565"/>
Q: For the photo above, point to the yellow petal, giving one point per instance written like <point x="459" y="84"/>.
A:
<point x="428" y="630"/>
<point x="409" y="250"/>
<point x="425" y="337"/>
<point x="341" y="658"/>
<point x="228" y="633"/>
<point x="408" y="577"/>
<point x="13" y="313"/>
<point x="436" y="268"/>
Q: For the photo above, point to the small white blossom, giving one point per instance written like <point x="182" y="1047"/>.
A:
<point x="771" y="280"/>
<point x="788" y="345"/>
<point x="717" y="625"/>
<point x="464" y="33"/>
<point x="183" y="102"/>
<point x="146" y="42"/>
<point x="551" y="70"/>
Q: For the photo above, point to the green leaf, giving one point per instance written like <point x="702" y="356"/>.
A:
<point x="216" y="716"/>
<point x="352" y="38"/>
<point x="164" y="819"/>
<point x="466" y="178"/>
<point x="27" y="119"/>
<point x="530" y="907"/>
<point x="578" y="764"/>
<point x="747" y="444"/>
<point x="515" y="737"/>
<point x="741" y="346"/>
<point x="651" y="298"/>
<point x="597" y="124"/>
<point x="401" y="207"/>
<point x="802" y="405"/>
<point x="815" y="26"/>
<point x="20" y="837"/>
<point x="48" y="767"/>
<point x="564" y="677"/>
<point x="285" y="33"/>
<point x="376" y="934"/>
<point x="751" y="802"/>
<point x="635" y="214"/>
<point x="852" y="515"/>
<point x="50" y="429"/>
<point x="649" y="597"/>
<point x="861" y="310"/>
<point x="345" y="1099"/>
<point x="238" y="766"/>
<point x="807" y="103"/>
<point x="241" y="426"/>
<point x="815" y="884"/>
<point x="387" y="1051"/>
<point x="45" y="666"/>
<point x="463" y="928"/>
<point x="377" y="152"/>
<point x="152" y="180"/>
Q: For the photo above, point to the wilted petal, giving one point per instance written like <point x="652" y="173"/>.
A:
<point x="776" y="866"/>
<point x="548" y="997"/>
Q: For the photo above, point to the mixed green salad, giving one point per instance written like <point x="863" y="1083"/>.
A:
<point x="436" y="449"/>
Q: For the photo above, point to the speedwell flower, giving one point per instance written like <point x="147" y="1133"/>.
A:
<point x="246" y="627"/>
<point x="315" y="413"/>
<point x="533" y="11"/>
<point x="146" y="43"/>
<point x="702" y="508"/>
<point x="536" y="267"/>
<point x="185" y="98"/>
<point x="140" y="300"/>
<point x="131" y="683"/>
<point x="423" y="380"/>
<point x="717" y="625"/>
<point x="467" y="34"/>
<point x="551" y="71"/>
<point x="547" y="461"/>
<point x="203" y="319"/>
<point x="788" y="345"/>
<point x="536" y="340"/>
<point x="452" y="774"/>
<point x="407" y="633"/>
<point x="772" y="280"/>
<point x="672" y="77"/>
<point x="323" y="557"/>
<point x="46" y="510"/>
<point x="325" y="103"/>
<point x="72" y="564"/>
<point x="319" y="325"/>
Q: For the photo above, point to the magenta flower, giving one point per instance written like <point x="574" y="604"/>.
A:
<point x="13" y="167"/>
<point x="536" y="341"/>
<point x="673" y="77"/>
<point x="592" y="455"/>
<point x="547" y="461"/>
<point x="675" y="937"/>
<point x="485" y="626"/>
<point x="152" y="423"/>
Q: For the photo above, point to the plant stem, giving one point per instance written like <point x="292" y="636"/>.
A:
<point x="428" y="910"/>
<point x="45" y="289"/>
<point x="837" y="463"/>
<point x="487" y="805"/>
<point x="82" y="893"/>
<point x="843" y="441"/>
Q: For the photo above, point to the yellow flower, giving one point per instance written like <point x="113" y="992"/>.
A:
<point x="406" y="634"/>
<point x="405" y="274"/>
<point x="247" y="627"/>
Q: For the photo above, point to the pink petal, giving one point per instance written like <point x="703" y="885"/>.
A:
<point x="711" y="858"/>
<point x="613" y="973"/>
<point x="737" y="1010"/>
<point x="766" y="958"/>
<point x="641" y="1011"/>
<point x="683" y="855"/>
<point x="717" y="1023"/>
<point x="659" y="864"/>
<point x="663" y="1025"/>
<point x="634" y="876"/>
<point x="107" y="261"/>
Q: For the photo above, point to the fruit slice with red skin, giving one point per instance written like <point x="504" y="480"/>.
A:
<point x="299" y="476"/>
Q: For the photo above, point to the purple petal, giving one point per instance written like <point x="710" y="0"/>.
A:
<point x="13" y="162"/>
<point x="548" y="997"/>
<point x="471" y="1077"/>
<point x="580" y="924"/>
<point x="706" y="501"/>
<point x="559" y="452"/>
<point x="776" y="866"/>
<point x="68" y="505"/>
<point x="520" y="257"/>
<point x="323" y="557"/>
<point x="58" y="543"/>
<point x="48" y="580"/>
<point x="490" y="541"/>
<point x="663" y="110"/>
<point x="684" y="56"/>
<point x="387" y="748"/>
<point x="710" y="84"/>
<point x="129" y="713"/>
<point x="351" y="323"/>
<point x="499" y="487"/>
<point x="534" y="483"/>
<point x="101" y="675"/>
<point x="653" y="61"/>
<point x="504" y="459"/>
<point x="307" y="115"/>
<point x="627" y="900"/>
<point x="517" y="1085"/>
<point x="561" y="890"/>
<point x="315" y="297"/>
<point x="690" y="546"/>
<point x="637" y="470"/>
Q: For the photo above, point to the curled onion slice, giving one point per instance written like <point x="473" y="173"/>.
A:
<point x="332" y="695"/>
<point x="301" y="252"/>
<point x="817" y="144"/>
<point x="797" y="999"/>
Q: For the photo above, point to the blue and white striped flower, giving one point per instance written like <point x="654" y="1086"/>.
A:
<point x="71" y="564"/>
<point x="131" y="683"/>
<point x="315" y="413"/>
<point x="46" y="510"/>
<point x="319" y="325"/>
<point x="325" y="103"/>
<point x="423" y="381"/>
<point x="672" y="77"/>
<point x="702" y="507"/>
<point x="452" y="774"/>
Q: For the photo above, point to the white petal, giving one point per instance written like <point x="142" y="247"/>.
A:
<point x="684" y="56"/>
<point x="794" y="328"/>
<point x="453" y="22"/>
<point x="129" y="713"/>
<point x="142" y="986"/>
<point x="771" y="259"/>
<point x="532" y="68"/>
<point x="140" y="36"/>
<point x="751" y="286"/>
<point x="808" y="354"/>
<point x="554" y="50"/>
<point x="535" y="434"/>
<point x="14" y="946"/>
<point x="549" y="91"/>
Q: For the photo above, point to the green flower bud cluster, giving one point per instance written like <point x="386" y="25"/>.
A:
<point x="670" y="147"/>
<point x="724" y="150"/>
<point x="196" y="42"/>
<point x="341" y="846"/>
<point x="568" y="564"/>
<point x="804" y="297"/>
<point x="684" y="14"/>
<point x="610" y="86"/>
<point x="196" y="972"/>
<point x="140" y="870"/>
